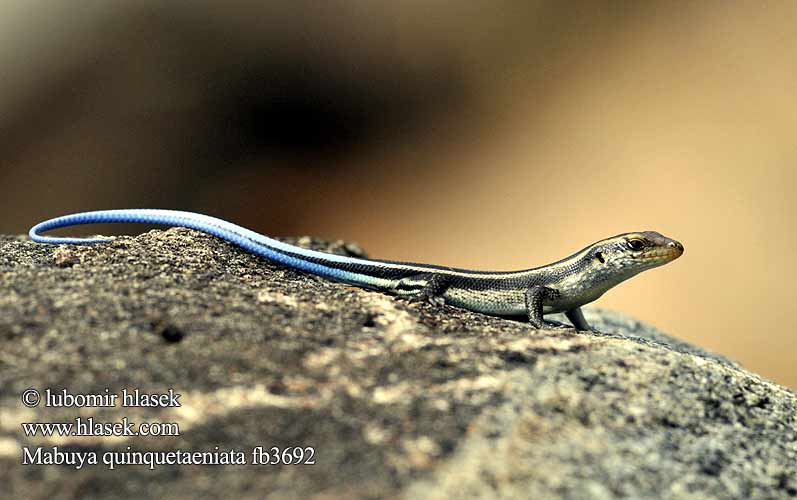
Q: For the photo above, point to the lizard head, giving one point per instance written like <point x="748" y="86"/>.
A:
<point x="626" y="255"/>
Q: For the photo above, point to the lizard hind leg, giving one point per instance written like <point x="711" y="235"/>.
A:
<point x="428" y="287"/>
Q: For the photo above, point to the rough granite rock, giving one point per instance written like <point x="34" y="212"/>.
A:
<point x="398" y="399"/>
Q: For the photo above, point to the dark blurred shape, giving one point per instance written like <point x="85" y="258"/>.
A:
<point x="299" y="108"/>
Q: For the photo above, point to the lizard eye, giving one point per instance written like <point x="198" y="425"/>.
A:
<point x="636" y="245"/>
<point x="599" y="256"/>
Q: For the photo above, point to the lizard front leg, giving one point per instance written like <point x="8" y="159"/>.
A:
<point x="535" y="297"/>
<point x="577" y="318"/>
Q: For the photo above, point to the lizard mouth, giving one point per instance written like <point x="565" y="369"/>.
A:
<point x="663" y="254"/>
<point x="674" y="249"/>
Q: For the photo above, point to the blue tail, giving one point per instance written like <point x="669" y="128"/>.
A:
<point x="311" y="261"/>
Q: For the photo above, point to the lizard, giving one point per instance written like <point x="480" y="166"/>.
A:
<point x="562" y="286"/>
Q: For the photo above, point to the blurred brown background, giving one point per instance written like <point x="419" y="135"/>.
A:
<point x="484" y="134"/>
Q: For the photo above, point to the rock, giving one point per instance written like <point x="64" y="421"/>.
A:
<point x="396" y="399"/>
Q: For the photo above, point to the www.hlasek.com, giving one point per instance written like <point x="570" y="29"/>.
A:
<point x="89" y="427"/>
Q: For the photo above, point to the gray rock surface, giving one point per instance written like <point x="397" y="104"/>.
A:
<point x="398" y="399"/>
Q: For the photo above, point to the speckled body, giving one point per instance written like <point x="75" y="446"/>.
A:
<point x="576" y="280"/>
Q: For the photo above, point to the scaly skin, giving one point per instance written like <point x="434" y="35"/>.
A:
<point x="563" y="286"/>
